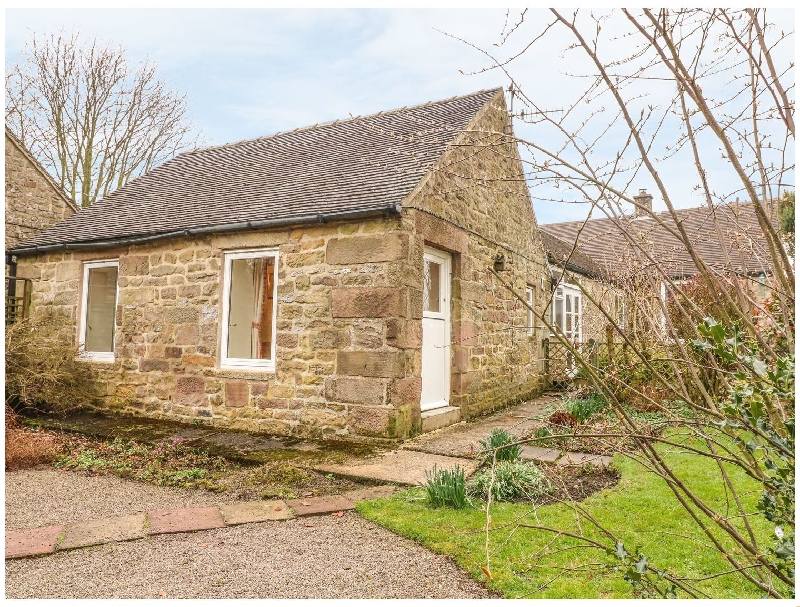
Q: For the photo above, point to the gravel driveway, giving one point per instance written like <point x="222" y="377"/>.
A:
<point x="321" y="557"/>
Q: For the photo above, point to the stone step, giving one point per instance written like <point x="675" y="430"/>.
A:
<point x="439" y="418"/>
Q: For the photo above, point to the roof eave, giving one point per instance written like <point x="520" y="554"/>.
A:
<point x="240" y="226"/>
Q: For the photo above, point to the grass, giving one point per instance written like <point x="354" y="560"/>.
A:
<point x="532" y="564"/>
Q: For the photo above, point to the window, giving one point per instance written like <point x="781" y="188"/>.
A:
<point x="99" y="310"/>
<point x="529" y="298"/>
<point x="566" y="311"/>
<point x="249" y="292"/>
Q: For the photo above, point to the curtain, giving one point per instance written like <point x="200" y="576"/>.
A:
<point x="259" y="268"/>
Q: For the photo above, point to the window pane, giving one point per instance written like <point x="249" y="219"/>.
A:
<point x="250" y="308"/>
<point x="431" y="287"/>
<point x="101" y="308"/>
<point x="558" y="306"/>
<point x="569" y="303"/>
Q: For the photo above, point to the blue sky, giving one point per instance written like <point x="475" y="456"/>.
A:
<point x="249" y="73"/>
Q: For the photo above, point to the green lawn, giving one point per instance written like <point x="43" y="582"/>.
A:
<point x="528" y="563"/>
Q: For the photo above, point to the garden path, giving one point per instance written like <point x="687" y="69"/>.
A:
<point x="238" y="551"/>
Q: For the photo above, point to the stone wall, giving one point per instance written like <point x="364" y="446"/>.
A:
<point x="347" y="355"/>
<point x="33" y="201"/>
<point x="476" y="205"/>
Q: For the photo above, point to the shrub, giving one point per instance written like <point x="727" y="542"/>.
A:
<point x="26" y="448"/>
<point x="512" y="481"/>
<point x="446" y="487"/>
<point x="496" y="440"/>
<point x="562" y="418"/>
<point x="584" y="408"/>
<point x="43" y="369"/>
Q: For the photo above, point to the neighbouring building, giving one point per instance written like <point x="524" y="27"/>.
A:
<point x="33" y="200"/>
<point x="328" y="281"/>
<point x="597" y="254"/>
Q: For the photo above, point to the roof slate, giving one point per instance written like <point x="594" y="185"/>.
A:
<point x="727" y="230"/>
<point x="348" y="166"/>
<point x="564" y="254"/>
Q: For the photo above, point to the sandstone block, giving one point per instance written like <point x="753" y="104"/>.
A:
<point x="369" y="420"/>
<point x="237" y="394"/>
<point x="177" y="315"/>
<point x="286" y="340"/>
<point x="68" y="270"/>
<point x="406" y="391"/>
<point x="200" y="360"/>
<point x="153" y="364"/>
<point x="190" y="390"/>
<point x="370" y="364"/>
<point x="402" y="333"/>
<point x="367" y="302"/>
<point x="329" y="339"/>
<point x="186" y="335"/>
<point x="465" y="333"/>
<point x="441" y="233"/>
<point x="355" y="390"/>
<point x="134" y="265"/>
<point x="367" y="249"/>
<point x="302" y="260"/>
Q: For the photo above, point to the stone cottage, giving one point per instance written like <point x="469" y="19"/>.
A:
<point x="328" y="281"/>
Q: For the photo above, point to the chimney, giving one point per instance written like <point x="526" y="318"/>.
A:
<point x="643" y="204"/>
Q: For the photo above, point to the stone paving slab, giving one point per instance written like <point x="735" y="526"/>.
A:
<point x="103" y="531"/>
<point x="326" y="504"/>
<point x="401" y="466"/>
<point x="371" y="493"/>
<point x="32" y="542"/>
<point x="255" y="512"/>
<point x="579" y="459"/>
<point x="539" y="454"/>
<point x="184" y="519"/>
<point x="463" y="439"/>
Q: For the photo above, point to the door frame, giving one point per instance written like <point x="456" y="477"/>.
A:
<point x="445" y="279"/>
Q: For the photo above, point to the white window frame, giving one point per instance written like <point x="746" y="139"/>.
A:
<point x="96" y="356"/>
<point x="573" y="290"/>
<point x="247" y="364"/>
<point x="529" y="315"/>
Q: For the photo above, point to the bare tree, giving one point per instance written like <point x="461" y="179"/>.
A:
<point x="660" y="90"/>
<point x="89" y="117"/>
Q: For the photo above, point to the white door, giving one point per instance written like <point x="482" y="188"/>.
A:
<point x="435" y="329"/>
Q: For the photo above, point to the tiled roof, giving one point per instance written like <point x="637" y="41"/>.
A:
<point x="566" y="255"/>
<point x="727" y="238"/>
<point x="344" y="167"/>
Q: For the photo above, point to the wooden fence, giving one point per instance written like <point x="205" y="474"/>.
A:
<point x="18" y="298"/>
